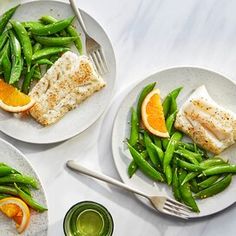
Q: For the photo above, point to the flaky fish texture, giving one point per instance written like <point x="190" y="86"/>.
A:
<point x="210" y="125"/>
<point x="66" y="84"/>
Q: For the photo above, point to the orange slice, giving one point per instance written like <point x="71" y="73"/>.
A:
<point x="12" y="100"/>
<point x="17" y="210"/>
<point x="153" y="115"/>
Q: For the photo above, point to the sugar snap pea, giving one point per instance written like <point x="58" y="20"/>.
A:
<point x="70" y="29"/>
<point x="3" y="195"/>
<point x="133" y="166"/>
<point x="167" y="101"/>
<point x="170" y="149"/>
<point x="27" y="80"/>
<point x="220" y="169"/>
<point x="134" y="130"/>
<point x="4" y="19"/>
<point x="32" y="24"/>
<point x="48" y="52"/>
<point x="173" y="104"/>
<point x="37" y="47"/>
<point x="212" y="162"/>
<point x="30" y="201"/>
<point x="209" y="181"/>
<point x="193" y="186"/>
<point x="145" y="91"/>
<point x="175" y="185"/>
<point x="17" y="61"/>
<point x="151" y="150"/>
<point x="192" y="147"/>
<point x="188" y="155"/>
<point x="52" y="28"/>
<point x="17" y="178"/>
<point x="216" y="188"/>
<point x="24" y="41"/>
<point x="159" y="152"/>
<point x="6" y="63"/>
<point x="190" y="176"/>
<point x="8" y="190"/>
<point x="169" y="174"/>
<point x="54" y="41"/>
<point x="188" y="166"/>
<point x="43" y="61"/>
<point x="144" y="166"/>
<point x="6" y="170"/>
<point x="3" y="39"/>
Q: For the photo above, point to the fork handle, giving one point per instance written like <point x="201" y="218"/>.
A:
<point x="78" y="15"/>
<point x="74" y="166"/>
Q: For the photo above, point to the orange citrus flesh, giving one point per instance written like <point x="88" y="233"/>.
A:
<point x="12" y="96"/>
<point x="17" y="210"/>
<point x="153" y="115"/>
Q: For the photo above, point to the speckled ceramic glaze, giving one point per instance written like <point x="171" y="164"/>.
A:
<point x="221" y="89"/>
<point x="39" y="221"/>
<point x="86" y="113"/>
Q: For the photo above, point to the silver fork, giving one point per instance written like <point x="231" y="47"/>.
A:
<point x="161" y="203"/>
<point x="93" y="48"/>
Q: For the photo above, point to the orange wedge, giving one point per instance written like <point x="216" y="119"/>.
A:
<point x="17" y="210"/>
<point x="12" y="100"/>
<point x="153" y="115"/>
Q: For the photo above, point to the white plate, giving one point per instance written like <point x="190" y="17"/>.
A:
<point x="222" y="90"/>
<point x="38" y="221"/>
<point x="79" y="119"/>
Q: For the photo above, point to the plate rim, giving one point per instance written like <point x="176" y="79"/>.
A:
<point x="23" y="156"/>
<point x="23" y="2"/>
<point x="131" y="88"/>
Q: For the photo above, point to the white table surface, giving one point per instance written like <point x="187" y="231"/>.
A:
<point x="147" y="35"/>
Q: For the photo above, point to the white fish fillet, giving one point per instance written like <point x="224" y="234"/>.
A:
<point x="209" y="125"/>
<point x="66" y="84"/>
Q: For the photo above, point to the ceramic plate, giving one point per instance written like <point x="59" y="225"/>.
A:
<point x="222" y="90"/>
<point x="86" y="113"/>
<point x="38" y="221"/>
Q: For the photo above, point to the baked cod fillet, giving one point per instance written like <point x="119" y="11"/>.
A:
<point x="66" y="84"/>
<point x="209" y="125"/>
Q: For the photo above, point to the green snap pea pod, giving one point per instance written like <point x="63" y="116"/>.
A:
<point x="32" y="24"/>
<point x="209" y="181"/>
<point x="134" y="131"/>
<point x="151" y="150"/>
<point x="173" y="105"/>
<point x="175" y="185"/>
<point x="186" y="195"/>
<point x="168" y="174"/>
<point x="27" y="81"/>
<point x="169" y="124"/>
<point x="37" y="47"/>
<point x="43" y="61"/>
<point x="144" y="166"/>
<point x="17" y="62"/>
<point x="30" y="201"/>
<point x="220" y="169"/>
<point x="37" y="73"/>
<point x="188" y="166"/>
<point x="188" y="155"/>
<point x="192" y="147"/>
<point x="170" y="149"/>
<point x="24" y="41"/>
<point x="3" y="195"/>
<point x="193" y="186"/>
<point x="4" y="19"/>
<point x="167" y="101"/>
<point x="52" y="28"/>
<point x="212" y="162"/>
<point x="165" y="142"/>
<point x="45" y="52"/>
<point x="17" y="178"/>
<point x="145" y="91"/>
<point x="133" y="166"/>
<point x="3" y="39"/>
<point x="190" y="176"/>
<point x="216" y="188"/>
<point x="55" y="41"/>
<point x="159" y="152"/>
<point x="6" y="170"/>
<point x="70" y="29"/>
<point x="6" y="63"/>
<point x="8" y="190"/>
<point x="157" y="141"/>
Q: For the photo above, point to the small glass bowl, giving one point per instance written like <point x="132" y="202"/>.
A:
<point x="88" y="219"/>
